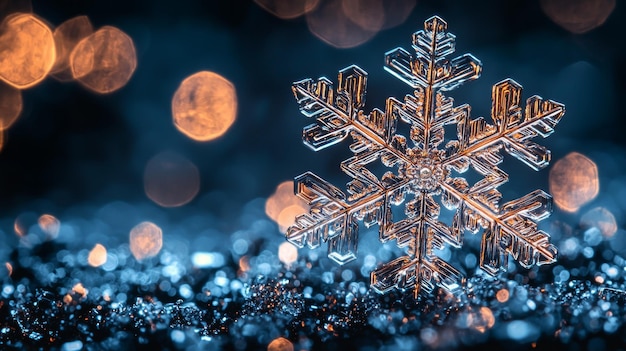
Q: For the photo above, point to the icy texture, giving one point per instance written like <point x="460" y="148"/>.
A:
<point x="423" y="170"/>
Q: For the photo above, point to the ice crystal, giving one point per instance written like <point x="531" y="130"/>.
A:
<point x="423" y="169"/>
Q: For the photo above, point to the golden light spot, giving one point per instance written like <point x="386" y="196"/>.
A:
<point x="67" y="299"/>
<point x="578" y="16"/>
<point x="18" y="227"/>
<point x="97" y="256"/>
<point x="104" y="61"/>
<point x="280" y="344"/>
<point x="66" y="36"/>
<point x="287" y="9"/>
<point x="287" y="253"/>
<point x="502" y="295"/>
<point x="146" y="240"/>
<point x="204" y="106"/>
<point x="574" y="181"/>
<point x="287" y="217"/>
<point x="27" y="50"/>
<point x="171" y="180"/>
<point x="283" y="206"/>
<point x="9" y="268"/>
<point x="80" y="290"/>
<point x="602" y="219"/>
<point x="49" y="225"/>
<point x="330" y="23"/>
<point x="483" y="320"/>
<point x="10" y="105"/>
<point x="368" y="14"/>
<point x="244" y="264"/>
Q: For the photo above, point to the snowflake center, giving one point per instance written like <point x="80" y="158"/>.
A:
<point x="426" y="173"/>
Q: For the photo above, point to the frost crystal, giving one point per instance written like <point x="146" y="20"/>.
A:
<point x="422" y="170"/>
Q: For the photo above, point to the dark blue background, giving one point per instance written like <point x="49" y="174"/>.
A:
<point x="73" y="147"/>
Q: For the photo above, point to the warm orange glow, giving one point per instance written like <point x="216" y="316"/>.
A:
<point x="49" y="225"/>
<point x="10" y="105"/>
<point x="66" y="36"/>
<point x="18" y="227"/>
<point x="287" y="253"/>
<point x="80" y="290"/>
<point x="146" y="240"/>
<point x="502" y="295"/>
<point x="602" y="219"/>
<point x="9" y="268"/>
<point x="483" y="320"/>
<point x="244" y="264"/>
<point x="287" y="9"/>
<point x="330" y="23"/>
<point x="368" y="14"/>
<point x="578" y="16"/>
<point x="287" y="217"/>
<point x="170" y="180"/>
<point x="574" y="181"/>
<point x="97" y="256"/>
<point x="280" y="344"/>
<point x="104" y="61"/>
<point x="204" y="106"/>
<point x="27" y="50"/>
<point x="283" y="205"/>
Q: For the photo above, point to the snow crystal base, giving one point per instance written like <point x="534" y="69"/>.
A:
<point x="422" y="168"/>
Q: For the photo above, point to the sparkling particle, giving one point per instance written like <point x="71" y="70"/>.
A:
<point x="280" y="344"/>
<point x="66" y="36"/>
<point x="49" y="225"/>
<point x="171" y="180"/>
<point x="204" y="106"/>
<point x="574" y="181"/>
<point x="287" y="253"/>
<point x="27" y="51"/>
<point x="104" y="61"/>
<point x="146" y="240"/>
<point x="97" y="256"/>
<point x="578" y="16"/>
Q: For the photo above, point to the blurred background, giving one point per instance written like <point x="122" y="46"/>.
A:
<point x="79" y="145"/>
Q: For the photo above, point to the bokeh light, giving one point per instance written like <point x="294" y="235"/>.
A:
<point x="483" y="320"/>
<point x="578" y="16"/>
<point x="502" y="295"/>
<point x="66" y="36"/>
<point x="368" y="14"/>
<point x="27" y="50"/>
<point x="97" y="256"/>
<point x="287" y="9"/>
<point x="280" y="344"/>
<point x="574" y="181"/>
<point x="146" y="240"/>
<point x="287" y="253"/>
<point x="602" y="219"/>
<point x="171" y="180"/>
<point x="49" y="225"/>
<point x="10" y="105"/>
<point x="283" y="205"/>
<point x="104" y="61"/>
<point x="204" y="106"/>
<point x="80" y="290"/>
<point x="330" y="23"/>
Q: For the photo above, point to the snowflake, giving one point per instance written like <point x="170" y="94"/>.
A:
<point x="422" y="170"/>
